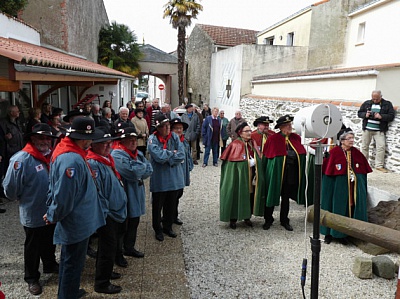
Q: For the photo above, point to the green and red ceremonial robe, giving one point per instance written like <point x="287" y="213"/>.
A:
<point x="338" y="194"/>
<point x="236" y="182"/>
<point x="275" y="150"/>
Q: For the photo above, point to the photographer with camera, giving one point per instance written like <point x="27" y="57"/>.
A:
<point x="376" y="114"/>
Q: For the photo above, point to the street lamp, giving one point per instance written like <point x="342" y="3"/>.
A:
<point x="190" y="91"/>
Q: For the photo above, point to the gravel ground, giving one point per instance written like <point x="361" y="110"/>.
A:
<point x="253" y="263"/>
<point x="225" y="263"/>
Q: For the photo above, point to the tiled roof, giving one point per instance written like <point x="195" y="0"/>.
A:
<point x="30" y="54"/>
<point x="226" y="36"/>
<point x="153" y="54"/>
<point x="328" y="71"/>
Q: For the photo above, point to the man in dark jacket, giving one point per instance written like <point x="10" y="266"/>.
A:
<point x="376" y="114"/>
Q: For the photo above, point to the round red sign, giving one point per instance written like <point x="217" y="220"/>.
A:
<point x="161" y="87"/>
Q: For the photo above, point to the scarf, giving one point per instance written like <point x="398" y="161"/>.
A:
<point x="34" y="152"/>
<point x="163" y="140"/>
<point x="182" y="138"/>
<point x="108" y="162"/>
<point x="133" y="155"/>
<point x="66" y="146"/>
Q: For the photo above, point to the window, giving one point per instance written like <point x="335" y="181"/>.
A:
<point x="361" y="33"/>
<point x="290" y="39"/>
<point x="269" y="40"/>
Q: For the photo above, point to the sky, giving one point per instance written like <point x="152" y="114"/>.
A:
<point x="144" y="17"/>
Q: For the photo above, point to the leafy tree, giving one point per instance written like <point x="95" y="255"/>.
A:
<point x="118" y="48"/>
<point x="181" y="13"/>
<point x="12" y="7"/>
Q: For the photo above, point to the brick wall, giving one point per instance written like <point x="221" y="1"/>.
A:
<point x="255" y="106"/>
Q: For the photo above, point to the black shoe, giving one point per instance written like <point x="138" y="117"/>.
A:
<point x="343" y="241"/>
<point x="110" y="289"/>
<point x="248" y="222"/>
<point x="53" y="269"/>
<point x="169" y="233"/>
<point x="2" y="211"/>
<point x="267" y="225"/>
<point x="328" y="239"/>
<point x="134" y="253"/>
<point x="91" y="252"/>
<point x="115" y="275"/>
<point x="215" y="164"/>
<point x="35" y="288"/>
<point x="232" y="225"/>
<point x="178" y="221"/>
<point x="81" y="293"/>
<point x="287" y="226"/>
<point x="160" y="237"/>
<point x="121" y="262"/>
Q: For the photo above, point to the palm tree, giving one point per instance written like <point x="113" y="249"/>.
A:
<point x="118" y="48"/>
<point x="181" y="13"/>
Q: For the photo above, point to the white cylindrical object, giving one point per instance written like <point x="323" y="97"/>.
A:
<point x="319" y="121"/>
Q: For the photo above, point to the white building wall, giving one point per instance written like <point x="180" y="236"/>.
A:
<point x="299" y="24"/>
<point x="347" y="89"/>
<point x="226" y="65"/>
<point x="381" y="42"/>
<point x="11" y="28"/>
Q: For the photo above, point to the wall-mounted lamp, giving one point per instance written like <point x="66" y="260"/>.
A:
<point x="228" y="88"/>
<point x="190" y="91"/>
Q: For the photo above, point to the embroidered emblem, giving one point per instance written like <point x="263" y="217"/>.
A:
<point x="338" y="166"/>
<point x="70" y="172"/>
<point x="39" y="167"/>
<point x="17" y="165"/>
<point x="244" y="157"/>
<point x="357" y="165"/>
<point x="89" y="127"/>
<point x="95" y="173"/>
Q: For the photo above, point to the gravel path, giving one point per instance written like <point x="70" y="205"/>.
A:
<point x="221" y="262"/>
<point x="253" y="263"/>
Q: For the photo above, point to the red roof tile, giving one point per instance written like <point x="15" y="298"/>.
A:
<point x="30" y="54"/>
<point x="226" y="36"/>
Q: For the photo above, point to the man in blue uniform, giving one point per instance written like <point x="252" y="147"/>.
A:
<point x="73" y="203"/>
<point x="167" y="154"/>
<point x="27" y="180"/>
<point x="113" y="198"/>
<point x="134" y="168"/>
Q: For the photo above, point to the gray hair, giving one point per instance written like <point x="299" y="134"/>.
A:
<point x="344" y="135"/>
<point x="123" y="109"/>
<point x="106" y="111"/>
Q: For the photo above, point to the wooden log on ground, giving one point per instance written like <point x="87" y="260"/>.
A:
<point x="376" y="234"/>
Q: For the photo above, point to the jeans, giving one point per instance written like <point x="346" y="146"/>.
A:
<point x="215" y="151"/>
<point x="380" y="143"/>
<point x="72" y="261"/>
<point x="38" y="245"/>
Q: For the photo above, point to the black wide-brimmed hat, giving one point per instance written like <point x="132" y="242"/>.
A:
<point x="40" y="129"/>
<point x="75" y="112"/>
<point x="160" y="119"/>
<point x="283" y="120"/>
<point x="128" y="132"/>
<point x="263" y="120"/>
<point x="83" y="128"/>
<point x="240" y="127"/>
<point x="176" y="120"/>
<point x="106" y="135"/>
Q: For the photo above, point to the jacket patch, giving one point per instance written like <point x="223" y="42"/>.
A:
<point x="70" y="172"/>
<point x="17" y="165"/>
<point x="39" y="167"/>
<point x="338" y="166"/>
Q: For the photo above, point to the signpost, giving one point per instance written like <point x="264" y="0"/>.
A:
<point x="161" y="86"/>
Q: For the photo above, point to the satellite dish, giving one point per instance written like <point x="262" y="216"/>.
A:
<point x="319" y="121"/>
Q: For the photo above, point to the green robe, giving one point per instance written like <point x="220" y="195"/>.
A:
<point x="236" y="184"/>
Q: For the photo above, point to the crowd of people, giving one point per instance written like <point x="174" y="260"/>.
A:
<point x="94" y="161"/>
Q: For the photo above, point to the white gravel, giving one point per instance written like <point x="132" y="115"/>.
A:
<point x="253" y="263"/>
<point x="225" y="263"/>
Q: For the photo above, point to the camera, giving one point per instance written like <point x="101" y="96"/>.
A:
<point x="371" y="114"/>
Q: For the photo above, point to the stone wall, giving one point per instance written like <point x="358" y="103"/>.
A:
<point x="255" y="106"/>
<point x="70" y="25"/>
<point x="199" y="49"/>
